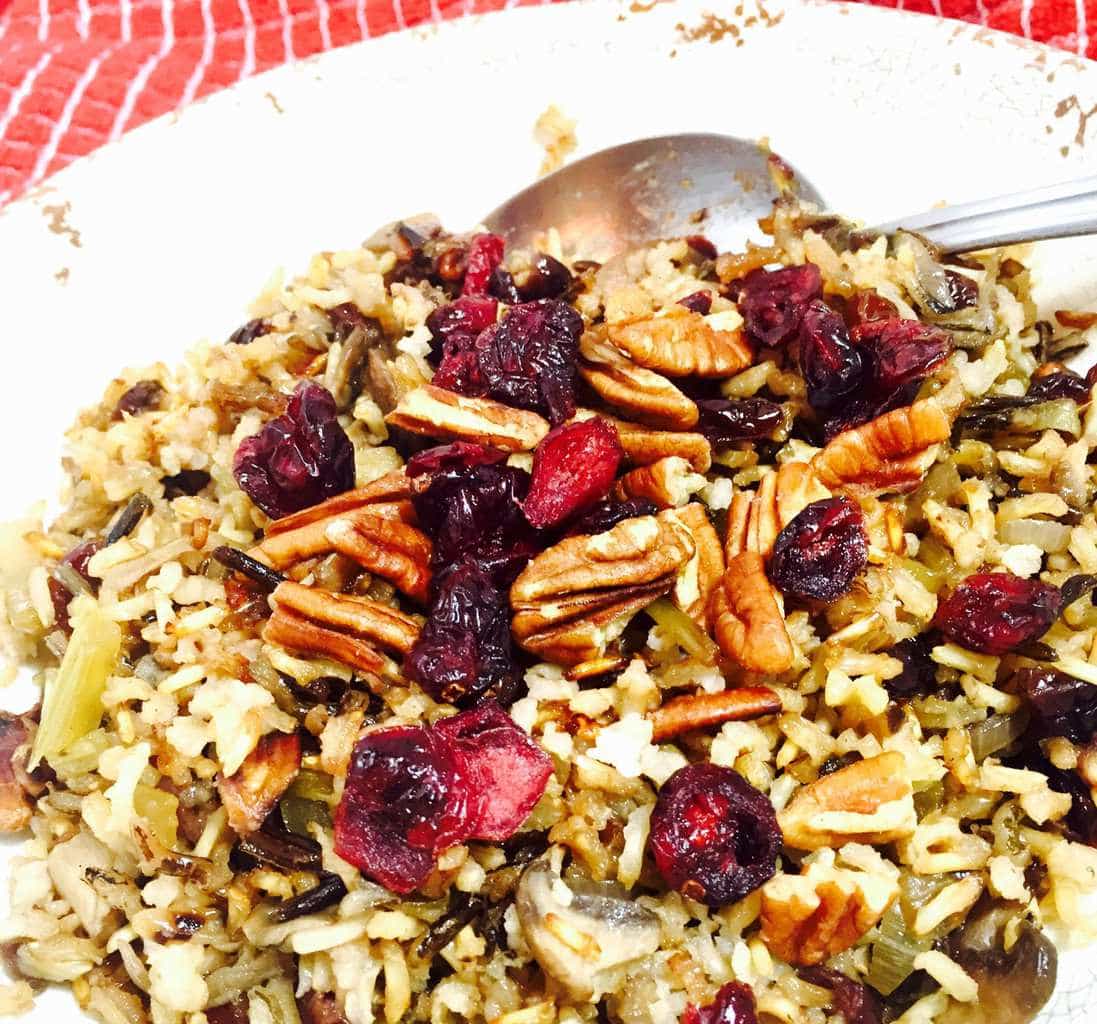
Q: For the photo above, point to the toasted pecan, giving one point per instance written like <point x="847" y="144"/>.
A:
<point x="387" y="548"/>
<point x="644" y="445"/>
<point x="573" y="599"/>
<point x="253" y="790"/>
<point x="702" y="573"/>
<point x="890" y="453"/>
<point x="681" y="343"/>
<point x="870" y="801"/>
<point x="747" y="619"/>
<point x="703" y="710"/>
<point x="668" y="482"/>
<point x="436" y="412"/>
<point x="642" y="394"/>
<point x="387" y="496"/>
<point x="755" y="520"/>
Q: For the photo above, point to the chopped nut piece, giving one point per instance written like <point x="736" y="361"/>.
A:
<point x="870" y="801"/>
<point x="810" y="917"/>
<point x="436" y="412"/>
<point x="285" y="548"/>
<point x="391" y="492"/>
<point x="15" y="807"/>
<point x="702" y="710"/>
<point x="702" y="573"/>
<point x="747" y="619"/>
<point x="339" y="626"/>
<point x="252" y="792"/>
<point x="393" y="550"/>
<point x="577" y="596"/>
<point x="645" y="445"/>
<point x="641" y="393"/>
<point x="755" y="520"/>
<point x="681" y="343"/>
<point x="669" y="482"/>
<point x="890" y="453"/>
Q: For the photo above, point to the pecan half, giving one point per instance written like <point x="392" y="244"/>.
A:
<point x="388" y="497"/>
<point x="702" y="573"/>
<point x="754" y="520"/>
<point x="747" y="619"/>
<point x="870" y="801"/>
<point x="387" y="547"/>
<point x="642" y="394"/>
<point x="340" y="626"/>
<point x="438" y="413"/>
<point x="668" y="482"/>
<point x="253" y="790"/>
<point x="809" y="918"/>
<point x="681" y="343"/>
<point x="572" y="600"/>
<point x="645" y="445"/>
<point x="890" y="453"/>
<point x="703" y="710"/>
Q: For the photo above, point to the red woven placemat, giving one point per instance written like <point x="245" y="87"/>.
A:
<point x="77" y="73"/>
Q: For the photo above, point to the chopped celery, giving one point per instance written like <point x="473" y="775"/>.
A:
<point x="72" y="705"/>
<point x="1060" y="414"/>
<point x="995" y="733"/>
<point x="310" y="785"/>
<point x="894" y="951"/>
<point x="161" y="811"/>
<point x="81" y="757"/>
<point x="681" y="629"/>
<point x="299" y="814"/>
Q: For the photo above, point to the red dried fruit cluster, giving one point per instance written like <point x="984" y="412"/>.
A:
<point x="714" y="837"/>
<point x="608" y="514"/>
<point x="298" y="459"/>
<point x="857" y="1003"/>
<point x="574" y="466"/>
<point x="1059" y="705"/>
<point x="997" y="612"/>
<point x="832" y="366"/>
<point x="485" y="253"/>
<point x="724" y="421"/>
<point x="821" y="551"/>
<point x="772" y="302"/>
<point x="1062" y="383"/>
<point x="734" y="1004"/>
<point x="413" y="791"/>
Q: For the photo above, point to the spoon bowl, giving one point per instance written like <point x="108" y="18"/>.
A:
<point x="666" y="187"/>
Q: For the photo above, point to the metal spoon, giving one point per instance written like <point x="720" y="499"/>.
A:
<point x="720" y="186"/>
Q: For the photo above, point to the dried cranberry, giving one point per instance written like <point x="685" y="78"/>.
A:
<point x="249" y="332"/>
<point x="485" y="253"/>
<point x="458" y="455"/>
<point x="1061" y="383"/>
<point x="1060" y="705"/>
<point x="345" y="318"/>
<point x="548" y="278"/>
<point x="857" y="1003"/>
<point x="821" y="551"/>
<point x="833" y="368"/>
<point x="698" y="302"/>
<point x="298" y="459"/>
<point x="477" y="511"/>
<point x="143" y="396"/>
<point x="503" y="287"/>
<point x="528" y="359"/>
<point x="726" y="420"/>
<point x="505" y="770"/>
<point x="714" y="837"/>
<point x="608" y="514"/>
<point x="996" y="612"/>
<point x="866" y="306"/>
<point x="1081" y="819"/>
<point x="60" y="595"/>
<point x="573" y="467"/>
<point x="455" y="327"/>
<point x="413" y="791"/>
<point x="772" y="302"/>
<point x="902" y="351"/>
<point x="960" y="293"/>
<point x="919" y="675"/>
<point x="703" y="246"/>
<point x="734" y="1004"/>
<point x="404" y="803"/>
<point x="464" y="653"/>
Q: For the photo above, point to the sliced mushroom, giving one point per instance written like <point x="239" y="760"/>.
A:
<point x="1014" y="984"/>
<point x="581" y="932"/>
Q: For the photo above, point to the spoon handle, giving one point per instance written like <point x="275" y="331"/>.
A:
<point x="1054" y="211"/>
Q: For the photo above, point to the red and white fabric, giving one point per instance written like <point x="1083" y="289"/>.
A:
<point x="75" y="74"/>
